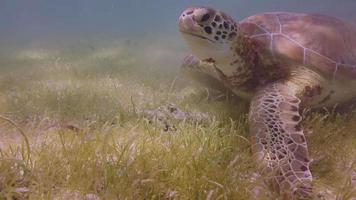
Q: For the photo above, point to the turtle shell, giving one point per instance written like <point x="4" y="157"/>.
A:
<point x="323" y="43"/>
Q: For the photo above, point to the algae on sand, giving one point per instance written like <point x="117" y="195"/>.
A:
<point x="114" y="153"/>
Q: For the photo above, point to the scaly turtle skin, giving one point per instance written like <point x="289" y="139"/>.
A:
<point x="280" y="62"/>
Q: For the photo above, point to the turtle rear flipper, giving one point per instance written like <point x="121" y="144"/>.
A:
<point x="278" y="140"/>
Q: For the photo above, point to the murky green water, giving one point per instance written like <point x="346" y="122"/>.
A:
<point x="86" y="25"/>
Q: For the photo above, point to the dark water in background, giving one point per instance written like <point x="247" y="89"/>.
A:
<point x="26" y="23"/>
<point x="32" y="19"/>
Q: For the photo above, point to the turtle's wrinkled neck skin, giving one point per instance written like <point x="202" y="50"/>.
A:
<point x="215" y="37"/>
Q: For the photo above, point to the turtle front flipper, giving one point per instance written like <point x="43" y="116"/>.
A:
<point x="202" y="71"/>
<point x="278" y="141"/>
<point x="193" y="65"/>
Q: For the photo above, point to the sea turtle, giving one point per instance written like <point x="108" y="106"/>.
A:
<point x="281" y="62"/>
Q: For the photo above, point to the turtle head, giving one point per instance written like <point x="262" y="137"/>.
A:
<point x="209" y="33"/>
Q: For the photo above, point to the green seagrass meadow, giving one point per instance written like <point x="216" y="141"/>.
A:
<point x="71" y="128"/>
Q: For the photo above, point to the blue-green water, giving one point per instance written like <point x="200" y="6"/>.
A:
<point x="63" y="23"/>
<point x="36" y="19"/>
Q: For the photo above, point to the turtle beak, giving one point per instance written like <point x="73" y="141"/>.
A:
<point x="187" y="22"/>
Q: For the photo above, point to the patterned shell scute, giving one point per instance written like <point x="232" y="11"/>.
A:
<point x="323" y="43"/>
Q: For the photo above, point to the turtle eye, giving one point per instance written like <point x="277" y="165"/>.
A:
<point x="203" y="15"/>
<point x="205" y="18"/>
